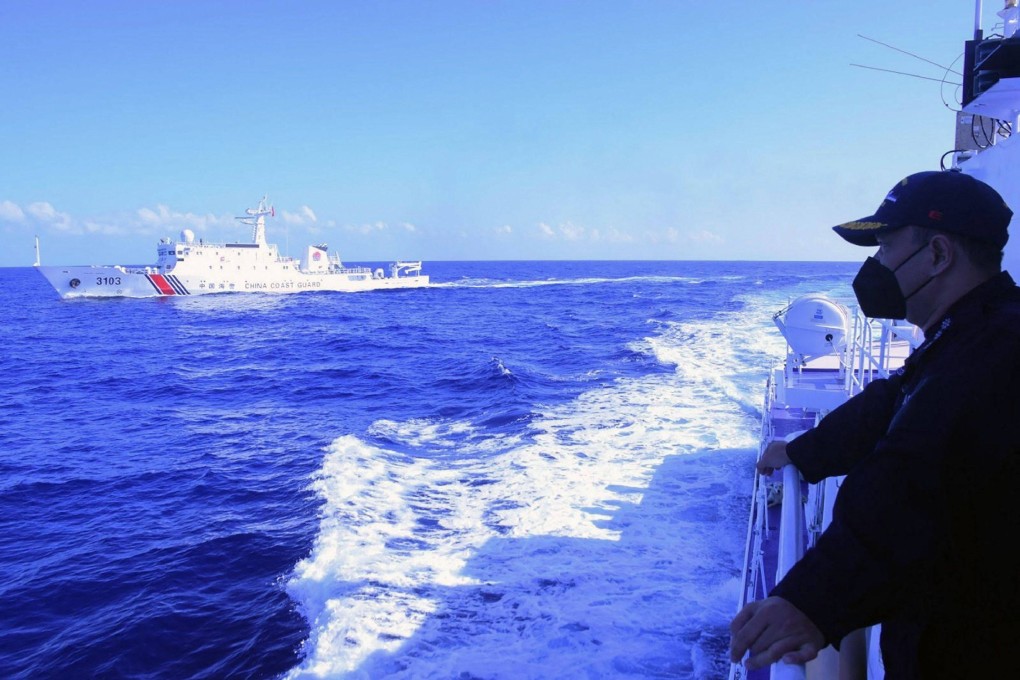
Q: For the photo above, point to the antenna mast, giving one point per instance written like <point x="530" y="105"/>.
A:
<point x="256" y="217"/>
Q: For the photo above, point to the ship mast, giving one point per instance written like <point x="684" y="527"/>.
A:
<point x="256" y="217"/>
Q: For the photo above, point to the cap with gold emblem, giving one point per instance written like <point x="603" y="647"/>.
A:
<point x="947" y="201"/>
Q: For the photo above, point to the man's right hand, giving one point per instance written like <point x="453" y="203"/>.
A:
<point x="773" y="458"/>
<point x="773" y="629"/>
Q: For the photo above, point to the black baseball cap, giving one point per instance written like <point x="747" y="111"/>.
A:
<point x="948" y="201"/>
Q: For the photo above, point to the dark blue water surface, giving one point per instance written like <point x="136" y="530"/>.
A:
<point x="156" y="454"/>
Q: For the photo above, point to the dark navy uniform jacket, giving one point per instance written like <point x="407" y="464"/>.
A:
<point x="925" y="524"/>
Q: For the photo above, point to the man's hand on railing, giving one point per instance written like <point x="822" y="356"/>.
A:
<point x="773" y="458"/>
<point x="773" y="629"/>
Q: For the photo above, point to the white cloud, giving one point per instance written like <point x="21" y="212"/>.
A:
<point x="162" y="216"/>
<point x="572" y="232"/>
<point x="674" y="236"/>
<point x="705" y="236"/>
<point x="46" y="214"/>
<point x="367" y="228"/>
<point x="304" y="215"/>
<point x="409" y="227"/>
<point x="93" y="227"/>
<point x="11" y="212"/>
<point x="41" y="210"/>
<point x="568" y="231"/>
<point x="505" y="229"/>
<point x="40" y="214"/>
<point x="152" y="217"/>
<point x="160" y="219"/>
<point x="615" y="235"/>
<point x="610" y="235"/>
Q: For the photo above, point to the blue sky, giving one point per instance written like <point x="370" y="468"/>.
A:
<point x="467" y="130"/>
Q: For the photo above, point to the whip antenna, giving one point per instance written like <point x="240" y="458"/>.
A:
<point x="948" y="69"/>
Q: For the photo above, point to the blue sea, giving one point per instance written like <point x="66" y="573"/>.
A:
<point x="528" y="470"/>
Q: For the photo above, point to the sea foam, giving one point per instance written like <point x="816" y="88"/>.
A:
<point x="604" y="545"/>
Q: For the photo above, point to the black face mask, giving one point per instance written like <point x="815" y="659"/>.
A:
<point x="878" y="292"/>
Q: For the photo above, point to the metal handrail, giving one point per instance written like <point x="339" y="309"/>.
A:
<point x="865" y="356"/>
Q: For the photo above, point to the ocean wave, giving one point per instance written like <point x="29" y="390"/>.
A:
<point x="581" y="281"/>
<point x="428" y="568"/>
<point x="546" y="473"/>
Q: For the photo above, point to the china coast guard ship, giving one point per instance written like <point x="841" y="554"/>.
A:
<point x="187" y="267"/>
<point x="833" y="352"/>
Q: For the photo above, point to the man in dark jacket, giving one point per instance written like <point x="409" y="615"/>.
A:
<point x="923" y="527"/>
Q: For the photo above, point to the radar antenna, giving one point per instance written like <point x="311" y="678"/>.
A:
<point x="256" y="218"/>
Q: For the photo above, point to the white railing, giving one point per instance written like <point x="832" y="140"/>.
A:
<point x="868" y="354"/>
<point x="791" y="529"/>
<point x="757" y="526"/>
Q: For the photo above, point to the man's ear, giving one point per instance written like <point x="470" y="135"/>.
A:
<point x="943" y="253"/>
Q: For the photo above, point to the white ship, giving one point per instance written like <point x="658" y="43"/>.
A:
<point x="190" y="267"/>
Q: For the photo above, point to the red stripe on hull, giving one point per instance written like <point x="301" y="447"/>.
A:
<point x="164" y="287"/>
